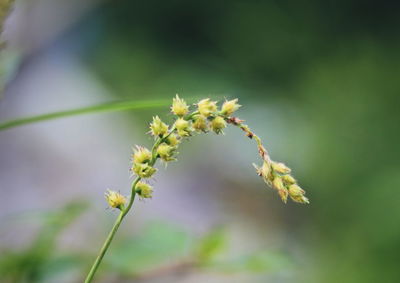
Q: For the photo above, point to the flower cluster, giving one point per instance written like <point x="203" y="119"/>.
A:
<point x="277" y="175"/>
<point x="205" y="118"/>
<point x="144" y="190"/>
<point x="142" y="162"/>
<point x="115" y="199"/>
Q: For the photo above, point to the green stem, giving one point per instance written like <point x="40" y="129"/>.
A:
<point x="125" y="210"/>
<point x="110" y="236"/>
<point x="103" y="250"/>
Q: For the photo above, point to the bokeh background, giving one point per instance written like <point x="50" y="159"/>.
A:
<point x="319" y="81"/>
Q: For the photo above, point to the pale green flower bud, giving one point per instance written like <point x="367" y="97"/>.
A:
<point x="280" y="168"/>
<point x="172" y="140"/>
<point x="288" y="179"/>
<point x="166" y="152"/>
<point x="229" y="107"/>
<point x="295" y="190"/>
<point x="143" y="170"/>
<point x="258" y="169"/>
<point x="183" y="127"/>
<point x="200" y="123"/>
<point x="144" y="190"/>
<point x="179" y="106"/>
<point x="278" y="183"/>
<point x="115" y="199"/>
<point x="218" y="124"/>
<point x="158" y="128"/>
<point x="265" y="172"/>
<point x="141" y="155"/>
<point x="284" y="195"/>
<point x="297" y="194"/>
<point x="207" y="107"/>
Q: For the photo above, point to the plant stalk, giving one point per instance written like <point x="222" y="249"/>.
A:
<point x="125" y="210"/>
<point x="103" y="250"/>
<point x="110" y="236"/>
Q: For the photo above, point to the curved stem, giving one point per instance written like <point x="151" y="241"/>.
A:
<point x="250" y="134"/>
<point x="132" y="198"/>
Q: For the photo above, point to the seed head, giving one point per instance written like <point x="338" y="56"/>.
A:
<point x="218" y="124"/>
<point x="265" y="172"/>
<point x="144" y="190"/>
<point x="207" y="107"/>
<point x="183" y="127"/>
<point x="158" y="128"/>
<point x="200" y="123"/>
<point x="278" y="183"/>
<point x="143" y="170"/>
<point x="297" y="194"/>
<point x="280" y="168"/>
<point x="229" y="107"/>
<point x="141" y="155"/>
<point x="283" y="194"/>
<point x="288" y="179"/>
<point x="179" y="106"/>
<point x="172" y="140"/>
<point x="115" y="199"/>
<point x="166" y="152"/>
<point x="205" y="118"/>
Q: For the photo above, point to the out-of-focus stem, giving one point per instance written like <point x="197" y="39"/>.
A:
<point x="5" y="7"/>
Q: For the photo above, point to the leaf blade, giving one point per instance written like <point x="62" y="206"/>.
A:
<point x="98" y="108"/>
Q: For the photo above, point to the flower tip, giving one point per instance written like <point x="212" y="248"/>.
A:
<point x="229" y="107"/>
<point x="183" y="127"/>
<point x="200" y="124"/>
<point x="166" y="152"/>
<point x="141" y="155"/>
<point x="280" y="168"/>
<point x="206" y="107"/>
<point x="144" y="190"/>
<point x="297" y="194"/>
<point x="179" y="106"/>
<point x="158" y="128"/>
<point x="284" y="195"/>
<point x="115" y="199"/>
<point x="218" y="124"/>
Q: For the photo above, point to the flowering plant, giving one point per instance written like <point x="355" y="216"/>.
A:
<point x="205" y="118"/>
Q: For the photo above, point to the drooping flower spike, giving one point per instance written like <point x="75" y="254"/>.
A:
<point x="205" y="118"/>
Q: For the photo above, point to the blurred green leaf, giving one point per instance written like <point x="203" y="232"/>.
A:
<point x="59" y="266"/>
<point x="210" y="246"/>
<point x="9" y="63"/>
<point x="158" y="244"/>
<point x="30" y="265"/>
<point x="258" y="262"/>
<point x="98" y="108"/>
<point x="105" y="107"/>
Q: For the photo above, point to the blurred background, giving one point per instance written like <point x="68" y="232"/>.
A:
<point x="318" y="81"/>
